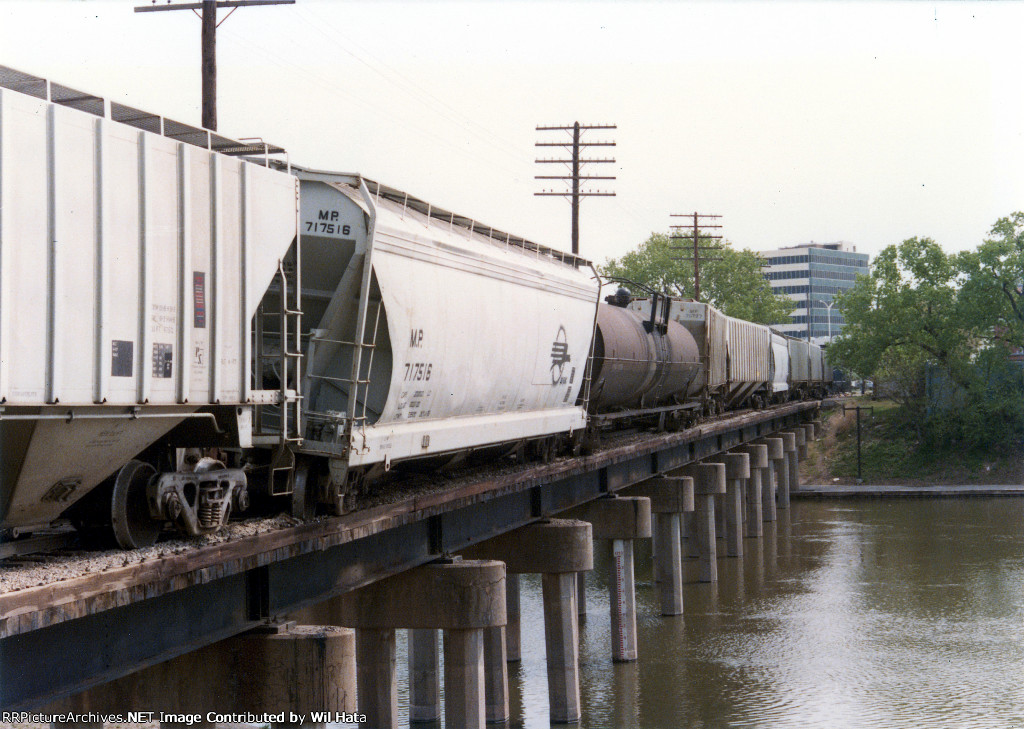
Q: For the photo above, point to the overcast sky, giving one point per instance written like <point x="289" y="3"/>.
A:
<point x="857" y="121"/>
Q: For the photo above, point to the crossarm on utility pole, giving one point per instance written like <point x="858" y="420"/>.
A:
<point x="209" y="43"/>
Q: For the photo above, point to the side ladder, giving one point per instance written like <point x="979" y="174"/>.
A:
<point x="278" y="413"/>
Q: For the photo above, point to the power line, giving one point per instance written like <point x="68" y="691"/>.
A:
<point x="429" y="100"/>
<point x="577" y="145"/>
<point x="696" y="236"/>
<point x="209" y="42"/>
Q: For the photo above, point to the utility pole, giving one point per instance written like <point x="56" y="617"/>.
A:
<point x="860" y="474"/>
<point x="695" y="235"/>
<point x="576" y="146"/>
<point x="209" y="42"/>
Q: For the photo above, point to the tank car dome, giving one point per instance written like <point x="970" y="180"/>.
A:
<point x="621" y="297"/>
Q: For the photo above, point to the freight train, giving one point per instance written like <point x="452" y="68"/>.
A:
<point x="189" y="323"/>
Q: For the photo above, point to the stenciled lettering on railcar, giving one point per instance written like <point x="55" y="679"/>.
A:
<point x="418" y="371"/>
<point x="327" y="222"/>
<point x="121" y="358"/>
<point x="163" y="360"/>
<point x="559" y="357"/>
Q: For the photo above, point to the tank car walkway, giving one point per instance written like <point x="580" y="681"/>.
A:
<point x="122" y="619"/>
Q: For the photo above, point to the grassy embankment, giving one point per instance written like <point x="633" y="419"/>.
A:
<point x="893" y="454"/>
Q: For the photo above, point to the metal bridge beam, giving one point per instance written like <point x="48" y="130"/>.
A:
<point x="178" y="608"/>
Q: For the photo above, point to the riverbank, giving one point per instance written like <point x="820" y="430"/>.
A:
<point x="893" y="491"/>
<point x="893" y="455"/>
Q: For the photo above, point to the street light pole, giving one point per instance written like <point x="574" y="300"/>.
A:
<point x="829" y="305"/>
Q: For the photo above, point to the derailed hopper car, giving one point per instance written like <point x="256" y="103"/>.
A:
<point x="433" y="335"/>
<point x="131" y="264"/>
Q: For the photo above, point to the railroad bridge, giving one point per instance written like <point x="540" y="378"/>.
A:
<point x="81" y="640"/>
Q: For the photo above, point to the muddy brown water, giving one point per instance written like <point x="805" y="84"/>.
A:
<point x="875" y="613"/>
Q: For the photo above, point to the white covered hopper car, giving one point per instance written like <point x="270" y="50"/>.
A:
<point x="432" y="335"/>
<point x="131" y="264"/>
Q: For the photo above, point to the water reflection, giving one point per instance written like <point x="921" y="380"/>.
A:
<point x="846" y="614"/>
<point x="869" y="614"/>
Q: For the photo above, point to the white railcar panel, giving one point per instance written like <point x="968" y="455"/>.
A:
<point x="814" y="357"/>
<point x="228" y="294"/>
<point x="268" y="217"/>
<point x="159" y="356"/>
<point x="488" y="344"/>
<point x="25" y="246"/>
<point x="780" y="362"/>
<point x="108" y="277"/>
<point x="121" y="285"/>
<point x="81" y="453"/>
<point x="74" y="262"/>
<point x="201" y="273"/>
<point x="717" y="338"/>
<point x="748" y="351"/>
<point x="480" y="342"/>
<point x="799" y="363"/>
<point x="392" y="441"/>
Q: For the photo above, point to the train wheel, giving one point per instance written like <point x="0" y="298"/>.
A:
<point x="129" y="511"/>
<point x="303" y="488"/>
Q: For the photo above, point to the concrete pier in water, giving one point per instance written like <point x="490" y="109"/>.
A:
<point x="621" y="520"/>
<point x="794" y="456"/>
<point x="558" y="549"/>
<point x="301" y="668"/>
<point x="462" y="598"/>
<point x="737" y="471"/>
<point x="708" y="481"/>
<point x="782" y="469"/>
<point x="424" y="675"/>
<point x="671" y="498"/>
<point x="755" y="487"/>
<point x="769" y="476"/>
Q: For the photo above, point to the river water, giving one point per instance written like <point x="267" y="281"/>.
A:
<point x="880" y="613"/>
<point x="875" y="613"/>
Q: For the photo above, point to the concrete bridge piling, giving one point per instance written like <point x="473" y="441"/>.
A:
<point x="620" y="520"/>
<point x="424" y="675"/>
<point x="306" y="668"/>
<point x="558" y="549"/>
<point x="708" y="481"/>
<point x="799" y="451"/>
<point x="462" y="598"/>
<point x="769" y="476"/>
<point x="737" y="471"/>
<point x="671" y="498"/>
<point x="755" y="501"/>
<point x="783" y="470"/>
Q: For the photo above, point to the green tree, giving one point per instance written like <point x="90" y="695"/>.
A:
<point x="733" y="283"/>
<point x="922" y="310"/>
<point x="992" y="293"/>
<point x="908" y="302"/>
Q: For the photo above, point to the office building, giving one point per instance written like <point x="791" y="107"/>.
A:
<point x="811" y="275"/>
